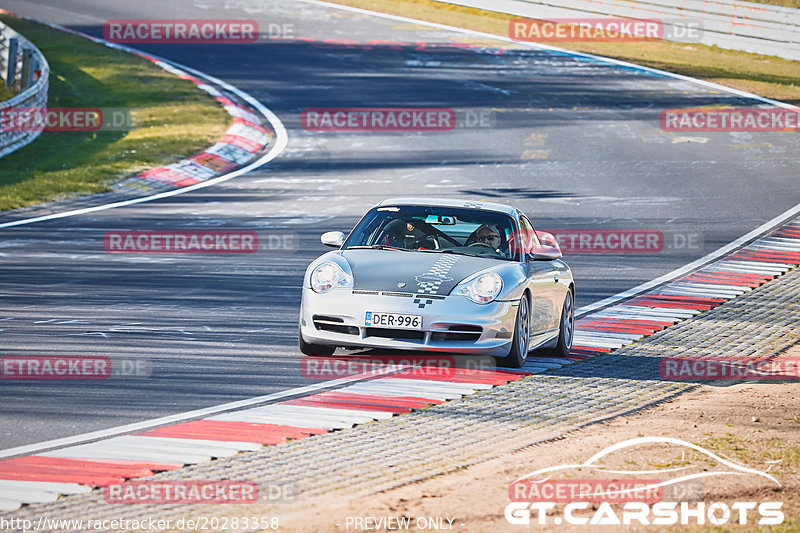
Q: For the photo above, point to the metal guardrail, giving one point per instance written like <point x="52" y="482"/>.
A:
<point x="731" y="24"/>
<point x="24" y="70"/>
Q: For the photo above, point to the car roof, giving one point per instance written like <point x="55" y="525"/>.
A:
<point x="447" y="202"/>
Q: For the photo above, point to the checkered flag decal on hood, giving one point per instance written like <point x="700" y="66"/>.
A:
<point x="430" y="281"/>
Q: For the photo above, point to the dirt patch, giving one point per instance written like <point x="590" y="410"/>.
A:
<point x="756" y="425"/>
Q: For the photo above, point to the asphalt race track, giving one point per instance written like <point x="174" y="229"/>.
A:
<point x="573" y="142"/>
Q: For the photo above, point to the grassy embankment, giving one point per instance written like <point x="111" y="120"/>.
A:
<point x="172" y="118"/>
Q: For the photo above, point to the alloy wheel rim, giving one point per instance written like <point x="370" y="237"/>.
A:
<point x="523" y="327"/>
<point x="569" y="322"/>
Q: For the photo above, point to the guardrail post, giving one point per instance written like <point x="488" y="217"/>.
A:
<point x="11" y="69"/>
<point x="27" y="71"/>
<point x="32" y="80"/>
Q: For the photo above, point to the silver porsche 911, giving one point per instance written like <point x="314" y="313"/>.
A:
<point x="440" y="275"/>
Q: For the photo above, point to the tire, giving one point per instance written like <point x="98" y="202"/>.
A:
<point x="566" y="328"/>
<point x="522" y="331"/>
<point x="313" y="349"/>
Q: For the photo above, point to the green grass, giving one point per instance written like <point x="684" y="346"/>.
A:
<point x="173" y="119"/>
<point x="763" y="75"/>
<point x="5" y="94"/>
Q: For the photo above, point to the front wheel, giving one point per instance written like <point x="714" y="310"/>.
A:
<point x="519" y="344"/>
<point x="566" y="328"/>
<point x="313" y="349"/>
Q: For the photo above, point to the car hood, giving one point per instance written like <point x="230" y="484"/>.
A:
<point x="413" y="272"/>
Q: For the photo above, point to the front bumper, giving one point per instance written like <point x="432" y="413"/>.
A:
<point x="451" y="323"/>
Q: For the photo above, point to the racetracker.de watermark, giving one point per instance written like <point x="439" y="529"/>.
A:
<point x="586" y="490"/>
<point x="181" y="242"/>
<point x="378" y="119"/>
<point x="730" y="369"/>
<point x="426" y="366"/>
<point x="182" y="492"/>
<point x="132" y="31"/>
<point x="735" y="119"/>
<point x="604" y="30"/>
<point x="65" y="119"/>
<point x="18" y="367"/>
<point x="627" y="241"/>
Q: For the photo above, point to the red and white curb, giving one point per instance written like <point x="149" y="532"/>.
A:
<point x="41" y="478"/>
<point x="78" y="468"/>
<point x="239" y="146"/>
<point x="243" y="140"/>
<point x="745" y="269"/>
<point x="239" y="151"/>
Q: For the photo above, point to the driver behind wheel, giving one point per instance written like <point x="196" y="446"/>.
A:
<point x="489" y="236"/>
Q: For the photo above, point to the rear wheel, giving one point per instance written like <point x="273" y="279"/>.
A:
<point x="313" y="349"/>
<point x="519" y="344"/>
<point x="566" y="328"/>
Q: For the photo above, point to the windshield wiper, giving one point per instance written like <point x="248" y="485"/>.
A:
<point x="450" y="251"/>
<point x="377" y="247"/>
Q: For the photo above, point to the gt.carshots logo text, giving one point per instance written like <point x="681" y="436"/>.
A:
<point x="552" y="495"/>
<point x="378" y="119"/>
<point x="181" y="242"/>
<point x="181" y="31"/>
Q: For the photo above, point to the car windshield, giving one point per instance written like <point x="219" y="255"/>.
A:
<point x="435" y="230"/>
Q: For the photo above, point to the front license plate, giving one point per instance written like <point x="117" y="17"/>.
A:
<point x="393" y="320"/>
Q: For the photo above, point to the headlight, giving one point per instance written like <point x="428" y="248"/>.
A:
<point x="329" y="276"/>
<point x="481" y="289"/>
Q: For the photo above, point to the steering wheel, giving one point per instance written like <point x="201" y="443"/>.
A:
<point x="489" y="246"/>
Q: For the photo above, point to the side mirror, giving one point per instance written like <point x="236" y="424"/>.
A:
<point x="543" y="252"/>
<point x="547" y="238"/>
<point x="335" y="239"/>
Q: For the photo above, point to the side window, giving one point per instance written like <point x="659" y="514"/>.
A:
<point x="528" y="228"/>
<point x="529" y="238"/>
